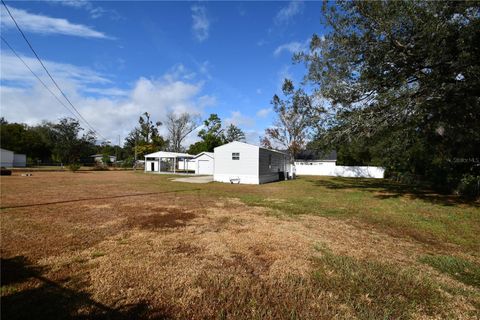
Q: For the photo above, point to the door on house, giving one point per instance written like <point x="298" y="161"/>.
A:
<point x="152" y="165"/>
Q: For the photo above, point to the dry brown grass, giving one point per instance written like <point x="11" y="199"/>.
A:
<point x="127" y="245"/>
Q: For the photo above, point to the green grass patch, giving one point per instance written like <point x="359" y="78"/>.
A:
<point x="97" y="254"/>
<point x="376" y="290"/>
<point x="458" y="268"/>
<point x="391" y="207"/>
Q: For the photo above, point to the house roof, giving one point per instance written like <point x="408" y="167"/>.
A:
<point x="210" y="154"/>
<point x="100" y="155"/>
<point x="252" y="145"/>
<point x="313" y="155"/>
<point x="165" y="154"/>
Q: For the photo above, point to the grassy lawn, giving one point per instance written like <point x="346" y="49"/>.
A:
<point x="133" y="245"/>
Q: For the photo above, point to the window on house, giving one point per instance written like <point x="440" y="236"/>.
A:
<point x="235" y="156"/>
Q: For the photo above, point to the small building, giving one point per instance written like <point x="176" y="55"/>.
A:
<point x="11" y="159"/>
<point x="204" y="163"/>
<point x="168" y="162"/>
<point x="99" y="158"/>
<point x="238" y="162"/>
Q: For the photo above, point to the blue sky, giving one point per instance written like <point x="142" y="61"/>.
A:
<point x="117" y="60"/>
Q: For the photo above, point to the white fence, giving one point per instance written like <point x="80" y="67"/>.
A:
<point x="329" y="168"/>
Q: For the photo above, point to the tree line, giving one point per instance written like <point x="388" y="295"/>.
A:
<point x="66" y="142"/>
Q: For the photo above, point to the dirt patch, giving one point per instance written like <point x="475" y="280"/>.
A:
<point x="167" y="218"/>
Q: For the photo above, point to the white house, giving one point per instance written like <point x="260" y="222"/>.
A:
<point x="99" y="158"/>
<point x="10" y="159"/>
<point x="203" y="163"/>
<point x="238" y="162"/>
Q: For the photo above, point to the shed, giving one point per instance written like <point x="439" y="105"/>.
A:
<point x="238" y="162"/>
<point x="204" y="163"/>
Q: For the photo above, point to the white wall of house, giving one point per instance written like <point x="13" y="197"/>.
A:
<point x="10" y="159"/>
<point x="245" y="169"/>
<point x="6" y="158"/>
<point x="329" y="168"/>
<point x="19" y="160"/>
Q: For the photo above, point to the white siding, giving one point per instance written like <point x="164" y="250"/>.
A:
<point x="148" y="165"/>
<point x="246" y="169"/>
<point x="204" y="164"/>
<point x="6" y="158"/>
<point x="19" y="160"/>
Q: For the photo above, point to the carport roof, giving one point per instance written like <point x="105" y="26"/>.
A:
<point x="165" y="154"/>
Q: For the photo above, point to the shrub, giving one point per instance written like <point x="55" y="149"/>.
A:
<point x="469" y="186"/>
<point x="6" y="172"/>
<point x="128" y="163"/>
<point x="73" y="167"/>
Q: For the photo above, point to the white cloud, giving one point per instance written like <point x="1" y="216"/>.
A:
<point x="94" y="11"/>
<point x="201" y="24"/>
<point x="13" y="70"/>
<point x="112" y="111"/>
<point x="262" y="113"/>
<point x="46" y="25"/>
<point x="292" y="47"/>
<point x="238" y="119"/>
<point x="286" y="14"/>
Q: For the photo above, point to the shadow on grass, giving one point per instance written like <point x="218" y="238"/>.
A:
<point x="386" y="189"/>
<point x="96" y="198"/>
<point x="50" y="300"/>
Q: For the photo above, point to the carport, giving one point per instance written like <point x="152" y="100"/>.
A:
<point x="169" y="162"/>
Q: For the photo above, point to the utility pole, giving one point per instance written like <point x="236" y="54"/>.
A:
<point x="135" y="161"/>
<point x="116" y="154"/>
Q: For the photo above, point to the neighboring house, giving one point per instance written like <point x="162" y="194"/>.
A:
<point x="99" y="158"/>
<point x="238" y="162"/>
<point x="10" y="159"/>
<point x="204" y="163"/>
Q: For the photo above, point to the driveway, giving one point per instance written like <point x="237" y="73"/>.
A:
<point x="196" y="179"/>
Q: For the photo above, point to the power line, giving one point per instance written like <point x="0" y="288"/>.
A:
<point x="38" y="78"/>
<point x="48" y="73"/>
